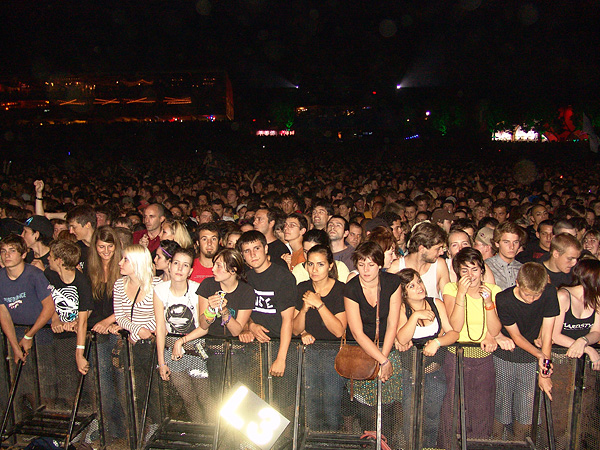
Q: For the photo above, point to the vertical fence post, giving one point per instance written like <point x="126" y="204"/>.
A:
<point x="298" y="396"/>
<point x="77" y="397"/>
<point x="578" y="385"/>
<point x="11" y="398"/>
<point x="98" y="391"/>
<point x="417" y="412"/>
<point x="147" y="397"/>
<point x="536" y="411"/>
<point x="460" y="375"/>
<point x="379" y="417"/>
<point x="226" y="356"/>
<point x="130" y="398"/>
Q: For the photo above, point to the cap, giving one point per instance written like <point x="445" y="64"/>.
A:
<point x="40" y="224"/>
<point x="485" y="236"/>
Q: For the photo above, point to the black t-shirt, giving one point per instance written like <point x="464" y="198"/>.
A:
<point x="85" y="251"/>
<point x="31" y="257"/>
<point x="527" y="316"/>
<point x="558" y="279"/>
<point x="103" y="307"/>
<point x="275" y="291"/>
<point x="241" y="298"/>
<point x="70" y="298"/>
<point x="389" y="284"/>
<point x="275" y="250"/>
<point x="334" y="302"/>
<point x="533" y="253"/>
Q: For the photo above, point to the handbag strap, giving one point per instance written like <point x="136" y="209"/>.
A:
<point x="377" y="319"/>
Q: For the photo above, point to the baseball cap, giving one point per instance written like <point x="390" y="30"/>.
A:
<point x="485" y="236"/>
<point x="40" y="224"/>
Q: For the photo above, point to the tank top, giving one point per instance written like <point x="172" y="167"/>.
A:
<point x="424" y="334"/>
<point x="429" y="278"/>
<point x="574" y="327"/>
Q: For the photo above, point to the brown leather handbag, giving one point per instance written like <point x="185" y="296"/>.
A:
<point x="354" y="363"/>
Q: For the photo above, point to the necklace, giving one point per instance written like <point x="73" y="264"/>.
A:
<point x="467" y="321"/>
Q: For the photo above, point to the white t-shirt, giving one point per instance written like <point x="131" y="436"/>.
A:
<point x="181" y="313"/>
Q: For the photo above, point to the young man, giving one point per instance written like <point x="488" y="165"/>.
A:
<point x="526" y="311"/>
<point x="275" y="290"/>
<point x="208" y="246"/>
<point x="538" y="250"/>
<point x="338" y="229"/>
<point x="38" y="232"/>
<point x="25" y="294"/>
<point x="425" y="249"/>
<point x="321" y="213"/>
<point x="355" y="234"/>
<point x="264" y="221"/>
<point x="484" y="242"/>
<point x="564" y="253"/>
<point x="82" y="223"/>
<point x="500" y="211"/>
<point x="293" y="231"/>
<point x="154" y="216"/>
<point x="71" y="293"/>
<point x="507" y="238"/>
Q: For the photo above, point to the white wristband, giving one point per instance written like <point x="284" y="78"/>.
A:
<point x="81" y="347"/>
<point x="28" y="338"/>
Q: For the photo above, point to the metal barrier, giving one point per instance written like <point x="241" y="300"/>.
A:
<point x="455" y="400"/>
<point x="44" y="396"/>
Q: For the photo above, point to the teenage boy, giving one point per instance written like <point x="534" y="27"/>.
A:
<point x="82" y="223"/>
<point x="38" y="232"/>
<point x="274" y="305"/>
<point x="25" y="295"/>
<point x="564" y="253"/>
<point x="508" y="240"/>
<point x="71" y="293"/>
<point x="526" y="311"/>
<point x="293" y="231"/>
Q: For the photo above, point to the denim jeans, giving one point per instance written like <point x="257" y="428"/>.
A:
<point x="433" y="397"/>
<point x="324" y="389"/>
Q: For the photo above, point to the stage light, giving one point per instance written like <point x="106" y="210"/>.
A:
<point x="257" y="420"/>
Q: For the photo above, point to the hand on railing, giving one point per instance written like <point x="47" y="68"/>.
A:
<point x="307" y="338"/>
<point x="402" y="347"/>
<point x="489" y="344"/>
<point x="103" y="326"/>
<point x="82" y="364"/>
<point x="259" y="332"/>
<point x="594" y="357"/>
<point x="505" y="343"/>
<point x="164" y="372"/>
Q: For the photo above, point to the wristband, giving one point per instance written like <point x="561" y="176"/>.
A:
<point x="39" y="198"/>
<point x="490" y="308"/>
<point x="160" y="365"/>
<point x="320" y="306"/>
<point x="209" y="314"/>
<point x="587" y="341"/>
<point x="225" y="322"/>
<point x="437" y="341"/>
<point x="80" y="347"/>
<point x="384" y="363"/>
<point x="27" y="338"/>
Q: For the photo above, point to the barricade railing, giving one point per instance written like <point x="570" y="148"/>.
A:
<point x="462" y="398"/>
<point x="47" y="396"/>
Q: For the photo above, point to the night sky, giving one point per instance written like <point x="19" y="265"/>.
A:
<point x="550" y="47"/>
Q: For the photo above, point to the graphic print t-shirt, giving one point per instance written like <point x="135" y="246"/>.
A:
<point x="181" y="313"/>
<point x="71" y="298"/>
<point x="275" y="291"/>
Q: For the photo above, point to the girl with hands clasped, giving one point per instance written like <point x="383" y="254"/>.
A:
<point x="319" y="317"/>
<point x="423" y="320"/>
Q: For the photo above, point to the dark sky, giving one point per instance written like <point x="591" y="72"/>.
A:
<point x="327" y="44"/>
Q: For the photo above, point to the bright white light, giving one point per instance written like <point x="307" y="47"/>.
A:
<point x="427" y="113"/>
<point x="398" y="86"/>
<point x="297" y="87"/>
<point x="228" y="411"/>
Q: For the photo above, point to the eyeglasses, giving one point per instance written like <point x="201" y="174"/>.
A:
<point x="291" y="225"/>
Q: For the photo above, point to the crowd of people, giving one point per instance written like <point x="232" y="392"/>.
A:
<point x="385" y="258"/>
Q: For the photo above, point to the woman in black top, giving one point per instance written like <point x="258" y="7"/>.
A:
<point x="320" y="316"/>
<point x="578" y="324"/>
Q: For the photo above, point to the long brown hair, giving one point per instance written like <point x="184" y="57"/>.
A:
<point x="95" y="267"/>
<point x="587" y="273"/>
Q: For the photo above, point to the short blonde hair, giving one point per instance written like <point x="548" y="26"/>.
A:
<point x="533" y="277"/>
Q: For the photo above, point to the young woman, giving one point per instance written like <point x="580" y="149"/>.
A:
<point x="423" y="320"/>
<point x="471" y="306"/>
<point x="361" y="296"/>
<point x="578" y="325"/>
<point x="457" y="240"/>
<point x="591" y="242"/>
<point x="176" y="230"/>
<point x="320" y="316"/>
<point x="133" y="298"/>
<point x="227" y="293"/>
<point x="103" y="270"/>
<point x="176" y="312"/>
<point x="163" y="257"/>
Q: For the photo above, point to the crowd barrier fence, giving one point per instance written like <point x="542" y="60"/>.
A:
<point x="458" y="399"/>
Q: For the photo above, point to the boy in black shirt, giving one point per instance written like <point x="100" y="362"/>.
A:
<point x="526" y="311"/>
<point x="274" y="305"/>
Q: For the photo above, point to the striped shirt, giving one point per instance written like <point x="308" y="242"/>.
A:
<point x="134" y="317"/>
